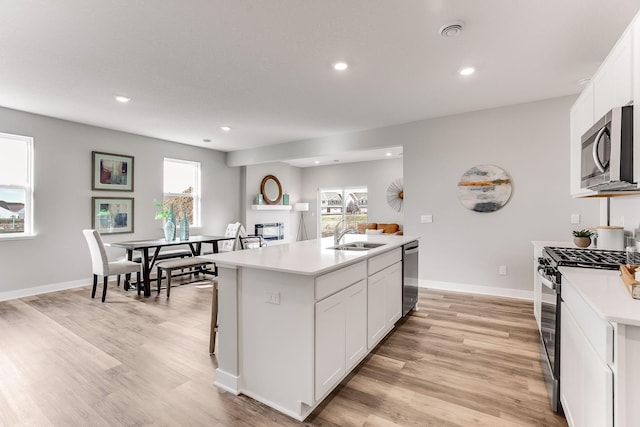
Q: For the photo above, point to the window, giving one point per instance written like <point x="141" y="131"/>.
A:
<point x="337" y="204"/>
<point x="16" y="180"/>
<point x="182" y="189"/>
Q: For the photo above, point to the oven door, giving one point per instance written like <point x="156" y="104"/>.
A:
<point x="550" y="339"/>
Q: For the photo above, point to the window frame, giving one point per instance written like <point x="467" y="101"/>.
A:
<point x="344" y="192"/>
<point x="28" y="188"/>
<point x="196" y="195"/>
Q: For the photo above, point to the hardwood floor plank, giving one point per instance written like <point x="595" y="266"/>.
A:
<point x="68" y="360"/>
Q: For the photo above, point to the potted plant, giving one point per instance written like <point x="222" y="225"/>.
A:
<point x="582" y="238"/>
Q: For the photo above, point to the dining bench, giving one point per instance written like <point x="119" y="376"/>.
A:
<point x="180" y="264"/>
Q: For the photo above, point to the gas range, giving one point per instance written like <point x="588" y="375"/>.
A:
<point x="586" y="258"/>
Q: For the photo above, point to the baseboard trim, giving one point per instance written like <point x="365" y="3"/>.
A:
<point x="20" y="293"/>
<point x="476" y="289"/>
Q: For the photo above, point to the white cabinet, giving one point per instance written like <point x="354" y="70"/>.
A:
<point x="355" y="324"/>
<point x="612" y="83"/>
<point x="384" y="296"/>
<point x="586" y="356"/>
<point x="581" y="118"/>
<point x="341" y="332"/>
<point x="393" y="294"/>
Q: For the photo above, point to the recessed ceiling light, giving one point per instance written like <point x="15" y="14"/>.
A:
<point x="206" y="140"/>
<point x="317" y="162"/>
<point x="388" y="154"/>
<point x="225" y="128"/>
<point x="122" y="98"/>
<point x="340" y="66"/>
<point x="467" y="71"/>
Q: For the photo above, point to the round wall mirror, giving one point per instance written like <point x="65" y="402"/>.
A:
<point x="271" y="190"/>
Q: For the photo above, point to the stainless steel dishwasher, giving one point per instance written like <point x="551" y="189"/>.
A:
<point x="409" y="277"/>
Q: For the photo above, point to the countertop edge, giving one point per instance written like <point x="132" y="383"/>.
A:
<point x="316" y="247"/>
<point x="604" y="292"/>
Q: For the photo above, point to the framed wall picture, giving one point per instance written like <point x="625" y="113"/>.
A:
<point x="112" y="215"/>
<point x="113" y="172"/>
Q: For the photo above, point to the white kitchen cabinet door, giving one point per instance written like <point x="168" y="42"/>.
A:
<point x="581" y="118"/>
<point x="393" y="297"/>
<point x="613" y="82"/>
<point x="376" y="315"/>
<point x="586" y="382"/>
<point x="384" y="301"/>
<point x="330" y="343"/>
<point x="356" y="323"/>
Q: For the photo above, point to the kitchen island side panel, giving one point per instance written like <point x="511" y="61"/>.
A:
<point x="276" y="344"/>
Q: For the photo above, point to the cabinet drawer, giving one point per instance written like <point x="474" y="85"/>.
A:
<point x="335" y="281"/>
<point x="598" y="331"/>
<point x="382" y="261"/>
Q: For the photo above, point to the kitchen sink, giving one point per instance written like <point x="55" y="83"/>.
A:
<point x="356" y="246"/>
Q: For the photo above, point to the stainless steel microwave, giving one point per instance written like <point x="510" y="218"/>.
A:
<point x="607" y="152"/>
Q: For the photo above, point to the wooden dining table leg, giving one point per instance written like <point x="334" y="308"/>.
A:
<point x="214" y="319"/>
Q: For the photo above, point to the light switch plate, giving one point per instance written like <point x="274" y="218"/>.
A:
<point x="426" y="219"/>
<point x="575" y="218"/>
<point x="272" y="297"/>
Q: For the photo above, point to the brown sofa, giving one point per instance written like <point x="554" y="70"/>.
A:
<point x="386" y="228"/>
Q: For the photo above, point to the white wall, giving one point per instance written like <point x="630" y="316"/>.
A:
<point x="625" y="211"/>
<point x="289" y="177"/>
<point x="375" y="175"/>
<point x="463" y="247"/>
<point x="58" y="256"/>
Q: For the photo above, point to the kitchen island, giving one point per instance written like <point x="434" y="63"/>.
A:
<point x="295" y="319"/>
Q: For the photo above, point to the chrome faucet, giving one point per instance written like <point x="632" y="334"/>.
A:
<point x="338" y="236"/>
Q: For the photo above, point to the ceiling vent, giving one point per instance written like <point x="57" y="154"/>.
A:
<point x="452" y="30"/>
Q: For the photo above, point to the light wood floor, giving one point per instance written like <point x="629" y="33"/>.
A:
<point x="67" y="360"/>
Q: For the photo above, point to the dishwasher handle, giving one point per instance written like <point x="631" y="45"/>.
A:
<point x="411" y="251"/>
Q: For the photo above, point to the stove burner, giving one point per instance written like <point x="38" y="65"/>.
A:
<point x="588" y="258"/>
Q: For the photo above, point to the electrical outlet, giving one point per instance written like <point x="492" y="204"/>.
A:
<point x="272" y="297"/>
<point x="575" y="218"/>
<point x="502" y="270"/>
<point x="426" y="219"/>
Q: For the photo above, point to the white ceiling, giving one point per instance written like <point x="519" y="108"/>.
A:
<point x="264" y="67"/>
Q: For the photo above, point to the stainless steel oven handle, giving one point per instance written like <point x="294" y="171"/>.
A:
<point x="548" y="283"/>
<point x="596" y="143"/>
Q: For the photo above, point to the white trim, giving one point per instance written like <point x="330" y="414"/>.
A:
<point x="20" y="293"/>
<point x="477" y="289"/>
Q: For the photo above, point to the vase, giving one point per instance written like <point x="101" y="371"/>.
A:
<point x="582" y="242"/>
<point x="285" y="199"/>
<point x="184" y="227"/>
<point x="169" y="230"/>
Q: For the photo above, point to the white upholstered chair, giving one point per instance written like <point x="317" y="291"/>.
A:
<point x="105" y="268"/>
<point x="235" y="230"/>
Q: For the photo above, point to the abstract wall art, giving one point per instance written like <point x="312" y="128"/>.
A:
<point x="484" y="188"/>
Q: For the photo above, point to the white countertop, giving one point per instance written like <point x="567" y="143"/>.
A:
<point x="309" y="257"/>
<point x="605" y="292"/>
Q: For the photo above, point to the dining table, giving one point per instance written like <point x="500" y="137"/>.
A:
<point x="150" y="249"/>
